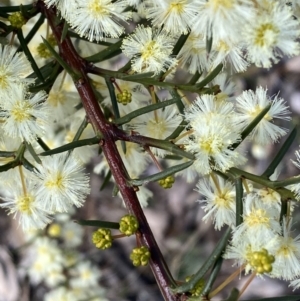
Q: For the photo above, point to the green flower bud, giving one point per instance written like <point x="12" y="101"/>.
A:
<point x="102" y="238"/>
<point x="198" y="288"/>
<point x="167" y="182"/>
<point x="124" y="98"/>
<point x="140" y="256"/>
<point x="128" y="224"/>
<point x="17" y="20"/>
<point x="43" y="51"/>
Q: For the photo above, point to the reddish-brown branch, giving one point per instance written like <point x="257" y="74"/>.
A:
<point x="118" y="170"/>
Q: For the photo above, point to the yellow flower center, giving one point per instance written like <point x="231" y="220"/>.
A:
<point x="224" y="200"/>
<point x="149" y="50"/>
<point x="56" y="98"/>
<point x="24" y="204"/>
<point x="257" y="217"/>
<point x="255" y="111"/>
<point x="157" y="128"/>
<point x="56" y="182"/>
<point x="211" y="145"/>
<point x="3" y="80"/>
<point x="176" y="7"/>
<point x="97" y="9"/>
<point x="266" y="35"/>
<point x="219" y="4"/>
<point x="21" y="110"/>
<point x="287" y="249"/>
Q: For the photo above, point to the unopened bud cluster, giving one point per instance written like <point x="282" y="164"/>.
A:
<point x="198" y="288"/>
<point x="261" y="261"/>
<point x="124" y="98"/>
<point x="167" y="182"/>
<point x="17" y="20"/>
<point x="128" y="225"/>
<point x="140" y="256"/>
<point x="102" y="238"/>
<point x="42" y="49"/>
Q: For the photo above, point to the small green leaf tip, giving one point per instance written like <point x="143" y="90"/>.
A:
<point x="128" y="225"/>
<point x="124" y="98"/>
<point x="102" y="239"/>
<point x="198" y="288"/>
<point x="140" y="256"/>
<point x="167" y="182"/>
<point x="17" y="20"/>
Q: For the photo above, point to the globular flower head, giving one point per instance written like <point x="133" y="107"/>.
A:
<point x="273" y="34"/>
<point x="97" y="19"/>
<point x="150" y="50"/>
<point x="13" y="68"/>
<point x="25" y="115"/>
<point x="128" y="224"/>
<point x="261" y="222"/>
<point x="220" y="201"/>
<point x="251" y="103"/>
<point x="24" y="205"/>
<point x="175" y="16"/>
<point x="102" y="238"/>
<point x="61" y="183"/>
<point x="140" y="256"/>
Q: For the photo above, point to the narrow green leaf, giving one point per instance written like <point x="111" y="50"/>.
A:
<point x="28" y="165"/>
<point x="177" y="131"/>
<point x="163" y="144"/>
<point x="213" y="276"/>
<point x="146" y="75"/>
<point x="283" y="210"/>
<point x="234" y="295"/>
<point x="115" y="190"/>
<point x="60" y="60"/>
<point x="33" y="31"/>
<point x="289" y="181"/>
<point x="126" y="67"/>
<point x="239" y="201"/>
<point x="209" y="41"/>
<point x="71" y="145"/>
<point x="64" y="31"/>
<point x="5" y="154"/>
<point x="113" y="97"/>
<point x="252" y="125"/>
<point x="9" y="165"/>
<point x="80" y="130"/>
<point x="115" y="106"/>
<point x="127" y="118"/>
<point x="206" y="266"/>
<point x="161" y="175"/>
<point x="42" y="144"/>
<point x="210" y="77"/>
<point x="33" y="153"/>
<point x="105" y="181"/>
<point x="179" y="44"/>
<point x="29" y="55"/>
<point x="194" y="78"/>
<point x="107" y="53"/>
<point x="98" y="224"/>
<point x="179" y="103"/>
<point x="278" y="158"/>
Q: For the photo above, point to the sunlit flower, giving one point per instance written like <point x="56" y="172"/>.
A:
<point x="61" y="183"/>
<point x="149" y="50"/>
<point x="97" y="19"/>
<point x="251" y="103"/>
